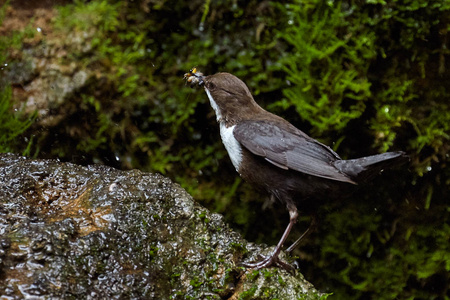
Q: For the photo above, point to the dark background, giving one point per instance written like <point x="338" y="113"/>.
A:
<point x="101" y="81"/>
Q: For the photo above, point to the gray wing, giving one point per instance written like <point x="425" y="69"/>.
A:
<point x="286" y="147"/>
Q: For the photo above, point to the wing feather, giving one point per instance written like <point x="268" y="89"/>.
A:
<point x="286" y="147"/>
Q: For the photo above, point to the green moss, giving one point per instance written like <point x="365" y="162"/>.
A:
<point x="367" y="66"/>
<point x="153" y="251"/>
<point x="13" y="123"/>
<point x="248" y="294"/>
<point x="325" y="296"/>
<point x="345" y="63"/>
<point x="203" y="217"/>
<point x="268" y="273"/>
<point x="253" y="275"/>
<point x="327" y="66"/>
<point x="281" y="281"/>
<point x="239" y="248"/>
<point x="196" y="282"/>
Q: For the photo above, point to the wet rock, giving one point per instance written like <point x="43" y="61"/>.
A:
<point x="69" y="231"/>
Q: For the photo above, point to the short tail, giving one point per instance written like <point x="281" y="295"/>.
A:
<point x="365" y="168"/>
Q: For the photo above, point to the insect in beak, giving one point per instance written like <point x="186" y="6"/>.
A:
<point x="194" y="77"/>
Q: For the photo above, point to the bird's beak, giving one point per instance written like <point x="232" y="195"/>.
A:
<point x="194" y="77"/>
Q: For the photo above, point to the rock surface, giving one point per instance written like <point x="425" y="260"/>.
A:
<point x="75" y="232"/>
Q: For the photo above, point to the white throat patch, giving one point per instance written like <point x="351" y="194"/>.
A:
<point x="233" y="147"/>
<point x="214" y="105"/>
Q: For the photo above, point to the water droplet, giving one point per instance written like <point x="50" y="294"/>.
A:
<point x="386" y="109"/>
<point x="39" y="29"/>
<point x="429" y="168"/>
<point x="290" y="22"/>
<point x="113" y="187"/>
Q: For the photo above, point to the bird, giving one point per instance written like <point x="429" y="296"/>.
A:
<point x="274" y="156"/>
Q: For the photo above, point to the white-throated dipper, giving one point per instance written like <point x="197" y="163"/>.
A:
<point x="272" y="155"/>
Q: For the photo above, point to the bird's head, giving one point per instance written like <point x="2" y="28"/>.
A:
<point x="229" y="96"/>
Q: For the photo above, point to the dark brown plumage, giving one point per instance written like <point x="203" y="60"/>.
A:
<point x="272" y="155"/>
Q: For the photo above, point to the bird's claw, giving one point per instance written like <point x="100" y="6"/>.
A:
<point x="269" y="261"/>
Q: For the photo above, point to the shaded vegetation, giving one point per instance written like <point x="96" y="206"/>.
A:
<point x="374" y="77"/>
<point x="12" y="122"/>
<point x="364" y="77"/>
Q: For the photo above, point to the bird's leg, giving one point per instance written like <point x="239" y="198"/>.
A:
<point x="268" y="261"/>
<point x="307" y="232"/>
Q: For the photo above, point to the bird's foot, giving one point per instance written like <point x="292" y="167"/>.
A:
<point x="269" y="261"/>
